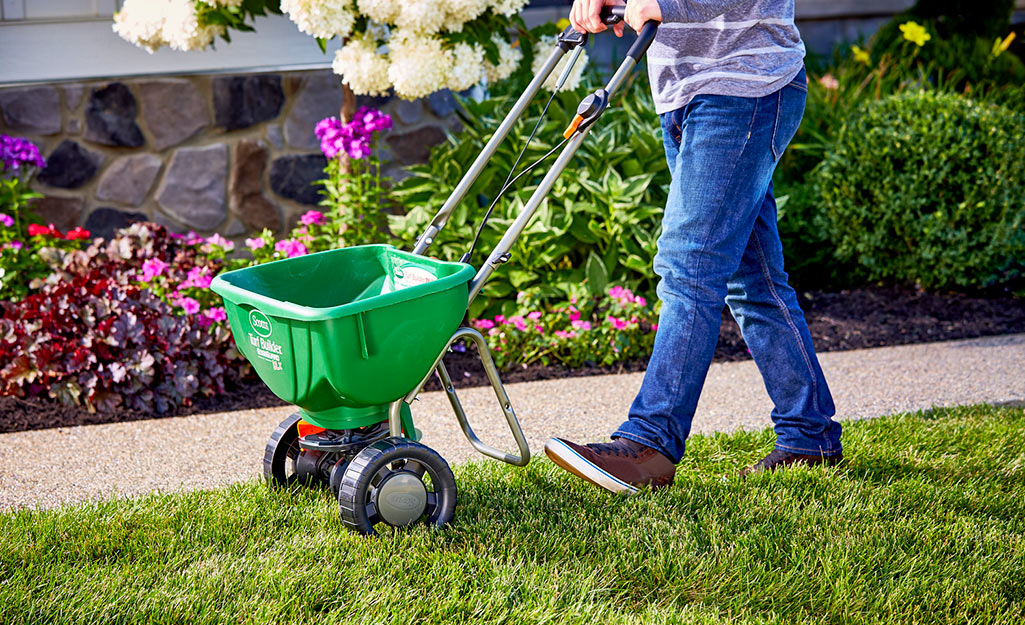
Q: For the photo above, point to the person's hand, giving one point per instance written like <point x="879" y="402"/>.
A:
<point x="585" y="16"/>
<point x="640" y="12"/>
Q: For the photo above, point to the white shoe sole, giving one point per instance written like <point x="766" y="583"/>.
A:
<point x="564" y="456"/>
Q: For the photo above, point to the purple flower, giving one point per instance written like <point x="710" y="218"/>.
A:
<point x="152" y="268"/>
<point x="353" y="138"/>
<point x="15" y="245"/>
<point x="6" y="220"/>
<point x="312" y="218"/>
<point x="16" y="152"/>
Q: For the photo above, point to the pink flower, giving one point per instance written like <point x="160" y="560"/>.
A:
<point x="616" y="322"/>
<point x="494" y="331"/>
<point x="15" y="245"/>
<point x="483" y="324"/>
<point x="654" y="327"/>
<point x="197" y="277"/>
<point x="562" y="334"/>
<point x="616" y="292"/>
<point x="519" y="322"/>
<point x="573" y="300"/>
<point x="220" y="241"/>
<point x="534" y="316"/>
<point x="640" y="301"/>
<point x="500" y="319"/>
<point x="217" y="313"/>
<point x="255" y="244"/>
<point x="829" y="82"/>
<point x="539" y="329"/>
<point x="189" y="305"/>
<point x="152" y="268"/>
<point x="6" y="220"/>
<point x="312" y="218"/>
<point x="574" y="314"/>
<point x="192" y="238"/>
<point x="581" y="325"/>
<point x="290" y="248"/>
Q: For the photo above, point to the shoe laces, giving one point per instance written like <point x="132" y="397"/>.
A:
<point x="614" y="448"/>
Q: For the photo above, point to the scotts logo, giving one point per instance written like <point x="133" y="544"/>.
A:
<point x="260" y="322"/>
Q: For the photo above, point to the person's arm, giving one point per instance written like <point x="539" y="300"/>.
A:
<point x="695" y="10"/>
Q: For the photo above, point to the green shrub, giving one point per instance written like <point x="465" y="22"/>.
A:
<point x="604" y="212"/>
<point x="928" y="187"/>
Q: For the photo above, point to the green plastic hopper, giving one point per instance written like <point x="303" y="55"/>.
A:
<point x="341" y="334"/>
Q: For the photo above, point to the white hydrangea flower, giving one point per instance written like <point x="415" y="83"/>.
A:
<point x="509" y="58"/>
<point x="321" y="18"/>
<point x="508" y="8"/>
<point x="223" y="3"/>
<point x="419" y="64"/>
<point x="361" y="67"/>
<point x="182" y="29"/>
<point x="467" y="66"/>
<point x="383" y="11"/>
<point x="542" y="50"/>
<point x="458" y="12"/>
<point x="422" y="16"/>
<point x="141" y="22"/>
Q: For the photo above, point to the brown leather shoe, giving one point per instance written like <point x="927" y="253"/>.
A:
<point x="621" y="466"/>
<point x="779" y="458"/>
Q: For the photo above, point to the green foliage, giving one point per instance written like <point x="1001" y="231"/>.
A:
<point x="606" y="205"/>
<point x="961" y="51"/>
<point x="928" y="187"/>
<point x="354" y="203"/>
<point x="25" y="246"/>
<point x="236" y="17"/>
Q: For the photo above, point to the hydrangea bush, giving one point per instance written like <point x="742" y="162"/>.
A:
<point x="415" y="47"/>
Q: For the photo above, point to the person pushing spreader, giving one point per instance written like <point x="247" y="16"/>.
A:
<point x="350" y="336"/>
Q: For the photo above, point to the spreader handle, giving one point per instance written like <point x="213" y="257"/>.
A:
<point x="614" y="14"/>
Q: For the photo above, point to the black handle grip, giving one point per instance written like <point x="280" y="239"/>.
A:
<point x="613" y="14"/>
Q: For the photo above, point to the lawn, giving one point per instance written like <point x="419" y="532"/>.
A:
<point x="924" y="524"/>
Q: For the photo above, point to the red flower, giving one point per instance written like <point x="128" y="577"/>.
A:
<point x="35" y="230"/>
<point x="78" y="233"/>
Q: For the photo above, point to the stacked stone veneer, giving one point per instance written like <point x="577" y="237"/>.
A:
<point x="227" y="154"/>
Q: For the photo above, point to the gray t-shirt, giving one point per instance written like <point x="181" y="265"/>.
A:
<point x="748" y="48"/>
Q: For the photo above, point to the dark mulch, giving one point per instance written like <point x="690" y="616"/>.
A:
<point x="870" y="317"/>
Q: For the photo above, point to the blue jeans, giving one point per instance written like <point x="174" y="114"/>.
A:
<point x="719" y="243"/>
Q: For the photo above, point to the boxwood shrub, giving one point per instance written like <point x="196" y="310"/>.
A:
<point x="929" y="187"/>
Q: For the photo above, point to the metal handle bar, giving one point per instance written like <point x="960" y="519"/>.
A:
<point x="565" y="43"/>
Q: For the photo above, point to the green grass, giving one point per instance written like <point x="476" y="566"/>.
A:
<point x="925" y="524"/>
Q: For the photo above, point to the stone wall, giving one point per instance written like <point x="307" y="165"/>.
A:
<point x="227" y="154"/>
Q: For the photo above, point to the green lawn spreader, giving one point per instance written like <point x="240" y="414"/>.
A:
<point x="350" y="336"/>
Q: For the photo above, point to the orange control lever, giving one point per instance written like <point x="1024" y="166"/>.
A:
<point x="572" y="126"/>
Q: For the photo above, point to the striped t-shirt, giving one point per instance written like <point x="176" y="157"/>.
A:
<point x="748" y="48"/>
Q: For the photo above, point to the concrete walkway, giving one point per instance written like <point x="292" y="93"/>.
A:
<point x="52" y="467"/>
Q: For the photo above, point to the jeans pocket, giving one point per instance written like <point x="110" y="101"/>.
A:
<point x="789" y="111"/>
<point x="671" y="125"/>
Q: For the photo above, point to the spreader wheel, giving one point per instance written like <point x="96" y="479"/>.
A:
<point x="279" y="458"/>
<point x="396" y="482"/>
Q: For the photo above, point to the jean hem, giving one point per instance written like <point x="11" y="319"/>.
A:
<point x="820" y="452"/>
